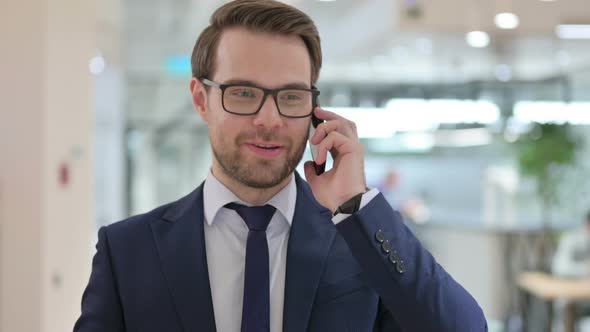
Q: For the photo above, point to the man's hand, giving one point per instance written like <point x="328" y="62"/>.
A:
<point x="347" y="176"/>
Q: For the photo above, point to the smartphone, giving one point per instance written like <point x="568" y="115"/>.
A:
<point x="315" y="122"/>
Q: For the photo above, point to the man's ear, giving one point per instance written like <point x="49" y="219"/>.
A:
<point x="199" y="98"/>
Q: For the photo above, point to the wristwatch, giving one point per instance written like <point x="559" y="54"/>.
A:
<point x="351" y="206"/>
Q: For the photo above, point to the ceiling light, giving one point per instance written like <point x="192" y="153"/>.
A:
<point x="507" y="21"/>
<point x="575" y="113"/>
<point x="97" y="65"/>
<point x="478" y="39"/>
<point x="406" y="142"/>
<point x="417" y="115"/>
<point x="573" y="31"/>
<point x="463" y="137"/>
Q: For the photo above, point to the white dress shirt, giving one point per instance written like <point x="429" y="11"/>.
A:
<point x="225" y="242"/>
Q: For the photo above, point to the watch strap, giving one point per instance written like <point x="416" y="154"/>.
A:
<point x="351" y="206"/>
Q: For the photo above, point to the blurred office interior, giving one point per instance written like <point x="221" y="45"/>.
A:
<point x="475" y="115"/>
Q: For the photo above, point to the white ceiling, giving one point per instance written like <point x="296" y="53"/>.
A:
<point x="537" y="18"/>
<point x="388" y="45"/>
<point x="360" y="35"/>
<point x="362" y="40"/>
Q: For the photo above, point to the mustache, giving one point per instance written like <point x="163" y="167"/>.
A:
<point x="265" y="135"/>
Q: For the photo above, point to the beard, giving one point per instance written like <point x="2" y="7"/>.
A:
<point x="258" y="172"/>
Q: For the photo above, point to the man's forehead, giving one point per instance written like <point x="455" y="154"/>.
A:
<point x="263" y="58"/>
<point x="285" y="85"/>
<point x="235" y="34"/>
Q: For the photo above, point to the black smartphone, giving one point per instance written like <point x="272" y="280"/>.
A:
<point x="315" y="122"/>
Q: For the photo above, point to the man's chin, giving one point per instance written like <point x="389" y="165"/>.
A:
<point x="258" y="172"/>
<point x="260" y="183"/>
<point x="264" y="177"/>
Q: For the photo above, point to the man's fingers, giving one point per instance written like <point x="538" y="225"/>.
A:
<point x="342" y="125"/>
<point x="334" y="140"/>
<point x="326" y="115"/>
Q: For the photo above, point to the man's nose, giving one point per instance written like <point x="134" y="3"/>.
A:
<point x="268" y="116"/>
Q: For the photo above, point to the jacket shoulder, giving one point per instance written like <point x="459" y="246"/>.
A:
<point x="134" y="222"/>
<point x="169" y="211"/>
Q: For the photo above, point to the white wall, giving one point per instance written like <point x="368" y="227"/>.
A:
<point x="46" y="122"/>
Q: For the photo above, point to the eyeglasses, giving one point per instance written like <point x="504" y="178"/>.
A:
<point x="247" y="99"/>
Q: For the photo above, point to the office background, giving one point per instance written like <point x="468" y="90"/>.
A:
<point x="97" y="125"/>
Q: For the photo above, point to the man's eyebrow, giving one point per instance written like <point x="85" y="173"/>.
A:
<point x="293" y="85"/>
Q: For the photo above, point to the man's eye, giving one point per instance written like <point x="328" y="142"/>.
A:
<point x="291" y="96"/>
<point x="246" y="93"/>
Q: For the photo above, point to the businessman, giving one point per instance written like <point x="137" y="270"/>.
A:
<point x="256" y="247"/>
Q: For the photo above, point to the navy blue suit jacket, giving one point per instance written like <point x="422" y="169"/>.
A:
<point x="150" y="274"/>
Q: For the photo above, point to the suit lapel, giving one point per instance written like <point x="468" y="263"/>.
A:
<point x="181" y="245"/>
<point x="312" y="233"/>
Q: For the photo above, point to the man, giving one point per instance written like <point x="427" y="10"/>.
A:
<point x="213" y="261"/>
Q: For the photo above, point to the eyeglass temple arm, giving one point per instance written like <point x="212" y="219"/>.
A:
<point x="210" y="83"/>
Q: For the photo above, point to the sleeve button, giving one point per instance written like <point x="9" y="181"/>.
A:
<point x="394" y="257"/>
<point x="379" y="236"/>
<point x="386" y="246"/>
<point x="401" y="267"/>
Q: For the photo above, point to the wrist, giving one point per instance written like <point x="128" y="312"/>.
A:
<point x="350" y="203"/>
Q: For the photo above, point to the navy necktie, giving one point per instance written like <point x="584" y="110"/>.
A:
<point x="256" y="306"/>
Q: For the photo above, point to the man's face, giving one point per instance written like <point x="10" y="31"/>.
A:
<point x="268" y="61"/>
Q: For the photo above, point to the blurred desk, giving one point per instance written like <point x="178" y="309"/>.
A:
<point x="549" y="288"/>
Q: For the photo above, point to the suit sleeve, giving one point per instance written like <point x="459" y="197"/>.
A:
<point x="101" y="307"/>
<point x="412" y="286"/>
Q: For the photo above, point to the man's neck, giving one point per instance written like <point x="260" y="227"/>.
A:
<point x="254" y="196"/>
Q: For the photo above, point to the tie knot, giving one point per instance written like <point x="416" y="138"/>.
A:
<point x="256" y="217"/>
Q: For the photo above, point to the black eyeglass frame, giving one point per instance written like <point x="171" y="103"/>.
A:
<point x="274" y="92"/>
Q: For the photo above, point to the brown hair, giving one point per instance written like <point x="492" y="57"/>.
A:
<point x="259" y="16"/>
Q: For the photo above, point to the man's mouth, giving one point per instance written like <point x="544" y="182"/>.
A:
<point x="267" y="146"/>
<point x="265" y="149"/>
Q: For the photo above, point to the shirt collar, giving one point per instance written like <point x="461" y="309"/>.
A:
<point x="217" y="195"/>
